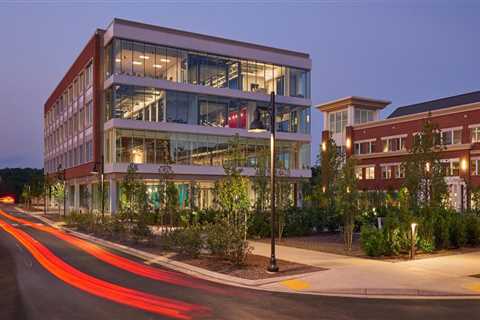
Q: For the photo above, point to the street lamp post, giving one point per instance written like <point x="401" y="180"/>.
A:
<point x="99" y="168"/>
<point x="62" y="176"/>
<point x="258" y="126"/>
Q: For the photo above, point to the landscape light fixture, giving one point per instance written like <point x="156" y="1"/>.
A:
<point x="413" y="229"/>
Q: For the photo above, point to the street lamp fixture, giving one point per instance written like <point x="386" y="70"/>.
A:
<point x="99" y="168"/>
<point x="257" y="126"/>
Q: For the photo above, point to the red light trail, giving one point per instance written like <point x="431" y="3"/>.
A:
<point x="119" y="261"/>
<point x="74" y="277"/>
<point x="7" y="200"/>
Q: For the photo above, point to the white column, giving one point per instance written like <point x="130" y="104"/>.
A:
<point x="90" y="192"/>
<point x="76" y="196"/>
<point x="112" y="195"/>
<point x="351" y="115"/>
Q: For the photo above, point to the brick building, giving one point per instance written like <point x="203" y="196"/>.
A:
<point x="380" y="146"/>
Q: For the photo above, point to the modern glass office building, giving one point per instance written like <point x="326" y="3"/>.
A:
<point x="155" y="96"/>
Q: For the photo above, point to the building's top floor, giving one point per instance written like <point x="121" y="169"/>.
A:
<point x="336" y="113"/>
<point x="174" y="38"/>
<point x="142" y="50"/>
<point x="342" y="113"/>
<point x="457" y="117"/>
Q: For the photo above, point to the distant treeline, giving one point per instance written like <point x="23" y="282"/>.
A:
<point x="13" y="180"/>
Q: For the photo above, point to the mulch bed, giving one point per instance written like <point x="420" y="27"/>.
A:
<point x="254" y="268"/>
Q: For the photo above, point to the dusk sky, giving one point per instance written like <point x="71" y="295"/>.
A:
<point x="402" y="51"/>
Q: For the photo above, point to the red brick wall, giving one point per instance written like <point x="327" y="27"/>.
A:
<point x="92" y="50"/>
<point x="461" y="118"/>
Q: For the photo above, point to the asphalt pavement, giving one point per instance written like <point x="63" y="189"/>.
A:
<point x="30" y="291"/>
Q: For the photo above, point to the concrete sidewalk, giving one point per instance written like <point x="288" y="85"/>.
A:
<point x="442" y="276"/>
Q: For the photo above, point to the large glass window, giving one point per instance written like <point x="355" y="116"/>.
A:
<point x="451" y="136"/>
<point x="213" y="113"/>
<point x="338" y="121"/>
<point x="298" y="83"/>
<point x="363" y="115"/>
<point x="189" y="149"/>
<point x="394" y="144"/>
<point x="182" y="108"/>
<point x="475" y="134"/>
<point x="150" y="104"/>
<point x="147" y="60"/>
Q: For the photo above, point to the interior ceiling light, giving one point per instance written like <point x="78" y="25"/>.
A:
<point x="118" y="60"/>
<point x="157" y="66"/>
<point x="137" y="62"/>
<point x="165" y="60"/>
<point x="144" y="57"/>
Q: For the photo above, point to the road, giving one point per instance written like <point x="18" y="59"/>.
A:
<point x="64" y="279"/>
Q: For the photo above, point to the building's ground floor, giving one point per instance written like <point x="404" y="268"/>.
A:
<point x="194" y="191"/>
<point x="459" y="191"/>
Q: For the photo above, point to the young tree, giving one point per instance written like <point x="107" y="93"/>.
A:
<point x="424" y="173"/>
<point x="167" y="194"/>
<point x="231" y="192"/>
<point x="59" y="193"/>
<point x="347" y="199"/>
<point x="171" y="202"/>
<point x="27" y="195"/>
<point x="133" y="202"/>
<point x="260" y="182"/>
<point x="326" y="191"/>
<point x="283" y="195"/>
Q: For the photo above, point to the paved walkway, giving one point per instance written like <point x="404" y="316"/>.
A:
<point x="448" y="275"/>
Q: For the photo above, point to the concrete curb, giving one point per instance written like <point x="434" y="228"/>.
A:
<point x="366" y="293"/>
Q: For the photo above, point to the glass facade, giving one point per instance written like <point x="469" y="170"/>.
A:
<point x="157" y="147"/>
<point x="150" y="104"/>
<point x="177" y="65"/>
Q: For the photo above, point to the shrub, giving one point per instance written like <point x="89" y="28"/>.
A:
<point x="472" y="229"/>
<point x="188" y="240"/>
<point x="426" y="245"/>
<point x="83" y="222"/>
<point x="259" y="224"/>
<point x="441" y="228"/>
<point x="217" y="239"/>
<point x="239" y="249"/>
<point x="372" y="241"/>
<point x="299" y="221"/>
<point x="457" y="231"/>
<point x="227" y="241"/>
